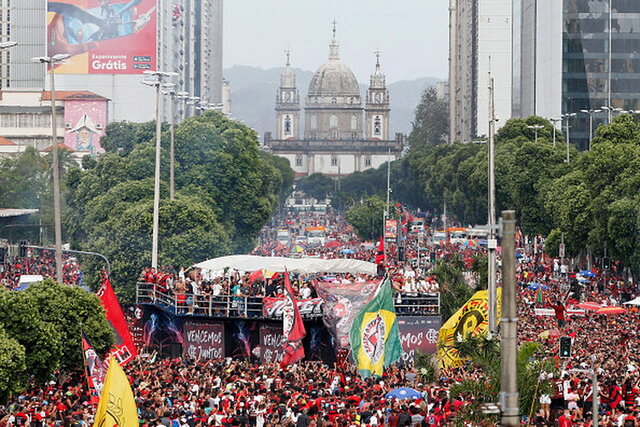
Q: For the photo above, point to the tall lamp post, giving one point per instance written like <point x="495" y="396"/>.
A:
<point x="554" y="121"/>
<point x="57" y="214"/>
<point x="590" y="112"/>
<point x="492" y="244"/>
<point x="568" y="116"/>
<point x="172" y="100"/>
<point x="160" y="76"/>
<point x="536" y="128"/>
<point x="183" y="97"/>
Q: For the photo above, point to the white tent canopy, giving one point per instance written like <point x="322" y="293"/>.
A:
<point x="635" y="301"/>
<point x="294" y="265"/>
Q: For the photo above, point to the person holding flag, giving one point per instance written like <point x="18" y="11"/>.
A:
<point x="292" y="326"/>
<point x="375" y="341"/>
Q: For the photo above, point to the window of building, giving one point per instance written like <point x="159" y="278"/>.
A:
<point x="334" y="100"/>
<point x="334" y="134"/>
<point x="377" y="126"/>
<point x="367" y="161"/>
<point x="334" y="161"/>
<point x="333" y="121"/>
<point x="287" y="125"/>
<point x="314" y="122"/>
<point x="299" y="161"/>
<point x="354" y="122"/>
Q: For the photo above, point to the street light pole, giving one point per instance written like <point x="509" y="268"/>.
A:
<point x="535" y="129"/>
<point x="568" y="116"/>
<point x="57" y="214"/>
<point x="554" y="121"/>
<point x="590" y="112"/>
<point x="160" y="75"/>
<point x="491" y="219"/>
<point x="172" y="100"/>
<point x="509" y="342"/>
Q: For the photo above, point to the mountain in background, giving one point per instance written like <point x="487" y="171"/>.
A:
<point x="253" y="96"/>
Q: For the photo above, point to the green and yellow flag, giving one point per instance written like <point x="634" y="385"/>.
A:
<point x="375" y="342"/>
<point x="472" y="318"/>
<point x="117" y="407"/>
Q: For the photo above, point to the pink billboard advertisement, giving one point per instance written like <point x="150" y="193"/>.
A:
<point x="103" y="36"/>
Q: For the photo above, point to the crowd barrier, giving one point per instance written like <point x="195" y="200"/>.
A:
<point x="252" y="307"/>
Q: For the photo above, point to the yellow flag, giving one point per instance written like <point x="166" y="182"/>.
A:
<point x="471" y="318"/>
<point x="117" y="406"/>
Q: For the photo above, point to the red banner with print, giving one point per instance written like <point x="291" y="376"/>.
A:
<point x="124" y="349"/>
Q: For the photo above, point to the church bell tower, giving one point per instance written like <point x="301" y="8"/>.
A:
<point x="288" y="104"/>
<point x="377" y="106"/>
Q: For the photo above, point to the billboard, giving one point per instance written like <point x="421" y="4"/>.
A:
<point x="103" y="36"/>
<point x="390" y="229"/>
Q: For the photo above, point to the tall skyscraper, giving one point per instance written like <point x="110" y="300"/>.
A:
<point x="479" y="44"/>
<point x="575" y="55"/>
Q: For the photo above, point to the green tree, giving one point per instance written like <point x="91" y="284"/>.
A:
<point x="72" y="310"/>
<point x="366" y="218"/>
<point x="12" y="366"/>
<point x="317" y="185"/>
<point x="431" y="123"/>
<point x="454" y="290"/>
<point x="122" y="137"/>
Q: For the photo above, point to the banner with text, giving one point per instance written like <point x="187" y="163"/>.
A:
<point x="418" y="334"/>
<point x="309" y="308"/>
<point x="114" y="37"/>
<point x="203" y="340"/>
<point x="271" y="341"/>
<point x="390" y="229"/>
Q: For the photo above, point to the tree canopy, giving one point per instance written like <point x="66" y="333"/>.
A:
<point x="226" y="189"/>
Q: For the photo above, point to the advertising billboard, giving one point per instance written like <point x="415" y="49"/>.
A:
<point x="390" y="229"/>
<point x="103" y="36"/>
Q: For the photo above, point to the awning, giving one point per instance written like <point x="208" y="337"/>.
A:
<point x="294" y="265"/>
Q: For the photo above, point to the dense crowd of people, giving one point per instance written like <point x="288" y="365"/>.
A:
<point x="554" y="300"/>
<point x="40" y="263"/>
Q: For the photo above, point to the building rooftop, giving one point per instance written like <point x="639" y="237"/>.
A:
<point x="4" y="141"/>
<point x="73" y="94"/>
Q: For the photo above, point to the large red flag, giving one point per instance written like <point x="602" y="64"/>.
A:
<point x="95" y="368"/>
<point x="124" y="349"/>
<point x="380" y="254"/>
<point x="292" y="326"/>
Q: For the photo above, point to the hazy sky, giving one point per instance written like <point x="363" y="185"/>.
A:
<point x="412" y="35"/>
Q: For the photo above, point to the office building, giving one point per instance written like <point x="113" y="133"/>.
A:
<point x="479" y="44"/>
<point x="575" y="55"/>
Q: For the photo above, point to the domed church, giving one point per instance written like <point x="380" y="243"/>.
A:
<point x="340" y="135"/>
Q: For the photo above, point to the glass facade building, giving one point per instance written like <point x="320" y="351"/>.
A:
<point x="585" y="56"/>
<point x="601" y="61"/>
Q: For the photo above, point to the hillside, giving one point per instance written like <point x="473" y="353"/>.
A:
<point x="253" y="94"/>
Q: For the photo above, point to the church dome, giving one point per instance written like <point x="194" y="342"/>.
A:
<point x="334" y="78"/>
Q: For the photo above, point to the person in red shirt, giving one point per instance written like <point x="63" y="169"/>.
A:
<point x="563" y="419"/>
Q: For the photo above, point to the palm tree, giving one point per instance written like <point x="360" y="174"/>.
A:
<point x="483" y="355"/>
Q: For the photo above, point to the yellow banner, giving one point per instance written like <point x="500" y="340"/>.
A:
<point x="117" y="406"/>
<point x="472" y="318"/>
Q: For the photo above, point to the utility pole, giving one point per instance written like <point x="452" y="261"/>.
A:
<point x="491" y="220"/>
<point x="509" y="342"/>
<point x="172" y="161"/>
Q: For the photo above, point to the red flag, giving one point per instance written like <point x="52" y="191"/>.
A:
<point x="292" y="326"/>
<point x="95" y="369"/>
<point x="124" y="349"/>
<point x="380" y="254"/>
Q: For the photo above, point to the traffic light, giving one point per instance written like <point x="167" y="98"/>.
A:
<point x="432" y="257"/>
<point x="22" y="249"/>
<point x="565" y="346"/>
<point x="401" y="256"/>
<point x="606" y="263"/>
